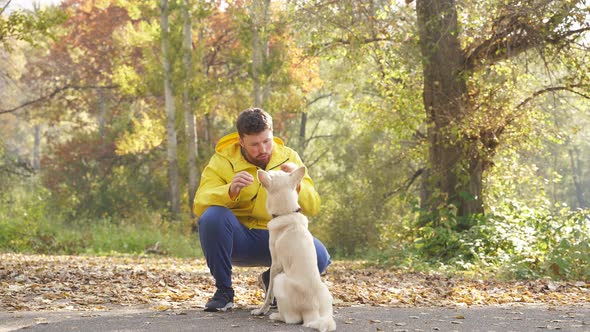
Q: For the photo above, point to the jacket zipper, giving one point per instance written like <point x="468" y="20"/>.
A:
<point x="284" y="161"/>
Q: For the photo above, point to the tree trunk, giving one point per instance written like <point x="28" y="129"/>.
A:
<point x="170" y="115"/>
<point x="102" y="113"/>
<point x="36" y="149"/>
<point x="191" y="128"/>
<point x="455" y="175"/>
<point x="259" y="14"/>
<point x="575" y="162"/>
<point x="302" y="132"/>
<point x="207" y="125"/>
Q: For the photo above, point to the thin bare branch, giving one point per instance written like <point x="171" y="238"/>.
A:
<point x="318" y="98"/>
<point x="406" y="185"/>
<point x="320" y="137"/>
<point x="53" y="94"/>
<point x="5" y="6"/>
<point x="570" y="88"/>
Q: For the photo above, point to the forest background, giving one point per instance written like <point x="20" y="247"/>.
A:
<point x="442" y="135"/>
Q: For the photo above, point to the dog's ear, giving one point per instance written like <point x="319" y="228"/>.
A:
<point x="297" y="175"/>
<point x="264" y="178"/>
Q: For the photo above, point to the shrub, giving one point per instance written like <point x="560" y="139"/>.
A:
<point x="519" y="243"/>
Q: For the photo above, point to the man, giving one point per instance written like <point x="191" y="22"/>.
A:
<point x="231" y="203"/>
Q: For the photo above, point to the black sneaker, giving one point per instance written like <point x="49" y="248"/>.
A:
<point x="264" y="280"/>
<point x="221" y="301"/>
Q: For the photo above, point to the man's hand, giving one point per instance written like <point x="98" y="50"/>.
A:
<point x="288" y="167"/>
<point x="240" y="180"/>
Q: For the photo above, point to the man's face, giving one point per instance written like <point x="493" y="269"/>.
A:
<point x="258" y="147"/>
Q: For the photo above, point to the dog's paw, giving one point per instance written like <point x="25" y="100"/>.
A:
<point x="258" y="312"/>
<point x="276" y="316"/>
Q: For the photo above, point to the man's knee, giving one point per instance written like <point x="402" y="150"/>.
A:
<point x="215" y="220"/>
<point x="323" y="256"/>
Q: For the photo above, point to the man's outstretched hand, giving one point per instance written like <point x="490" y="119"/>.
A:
<point x="288" y="167"/>
<point x="240" y="180"/>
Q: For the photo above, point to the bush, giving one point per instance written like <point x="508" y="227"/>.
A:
<point x="520" y="243"/>
<point x="89" y="180"/>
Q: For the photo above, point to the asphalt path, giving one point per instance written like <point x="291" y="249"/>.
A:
<point x="519" y="318"/>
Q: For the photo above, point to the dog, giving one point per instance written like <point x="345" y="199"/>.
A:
<point x="295" y="282"/>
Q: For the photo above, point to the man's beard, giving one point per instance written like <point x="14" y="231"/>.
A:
<point x="258" y="162"/>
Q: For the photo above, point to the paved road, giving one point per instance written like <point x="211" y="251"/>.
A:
<point x="349" y="319"/>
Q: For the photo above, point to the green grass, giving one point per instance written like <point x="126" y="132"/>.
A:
<point x="136" y="237"/>
<point x="26" y="233"/>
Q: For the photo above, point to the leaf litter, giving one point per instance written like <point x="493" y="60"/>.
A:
<point x="86" y="283"/>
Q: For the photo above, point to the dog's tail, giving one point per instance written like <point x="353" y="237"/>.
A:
<point x="324" y="324"/>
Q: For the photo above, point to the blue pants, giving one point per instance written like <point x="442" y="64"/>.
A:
<point x="226" y="242"/>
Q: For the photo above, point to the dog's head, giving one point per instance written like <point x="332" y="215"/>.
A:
<point x="274" y="180"/>
<point x="281" y="188"/>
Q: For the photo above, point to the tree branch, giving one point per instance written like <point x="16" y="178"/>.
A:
<point x="320" y="137"/>
<point x="408" y="183"/>
<point x="5" y="6"/>
<point x="53" y="94"/>
<point x="318" y="98"/>
<point x="310" y="164"/>
<point x="513" y="35"/>
<point x="569" y="88"/>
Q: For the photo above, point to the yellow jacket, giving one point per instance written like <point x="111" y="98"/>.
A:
<point x="250" y="205"/>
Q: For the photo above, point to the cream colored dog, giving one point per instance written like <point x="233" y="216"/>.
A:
<point x="295" y="281"/>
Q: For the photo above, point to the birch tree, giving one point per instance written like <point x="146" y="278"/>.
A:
<point x="171" y="147"/>
<point x="190" y="126"/>
<point x="259" y="13"/>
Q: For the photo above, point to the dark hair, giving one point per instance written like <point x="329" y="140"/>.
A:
<point x="253" y="121"/>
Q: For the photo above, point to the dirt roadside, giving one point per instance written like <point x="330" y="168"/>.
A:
<point x="519" y="318"/>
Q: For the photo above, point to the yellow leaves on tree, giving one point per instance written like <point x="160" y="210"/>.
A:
<point x="147" y="133"/>
<point x="304" y="69"/>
